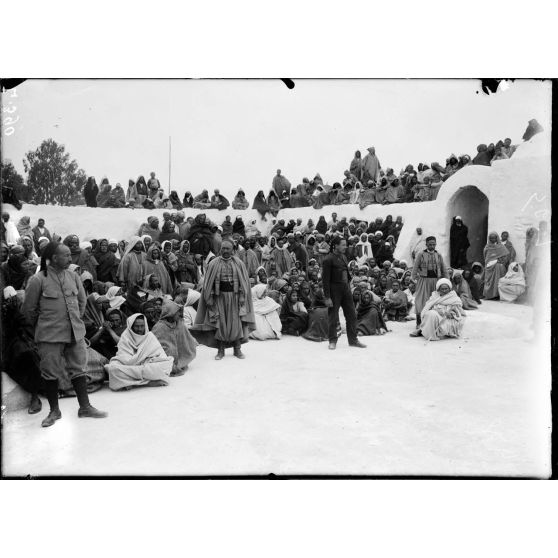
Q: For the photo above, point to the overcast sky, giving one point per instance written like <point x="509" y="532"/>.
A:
<point x="230" y="134"/>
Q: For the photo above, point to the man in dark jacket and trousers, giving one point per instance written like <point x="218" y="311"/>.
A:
<point x="336" y="277"/>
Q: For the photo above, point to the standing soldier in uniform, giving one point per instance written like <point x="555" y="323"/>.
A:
<point x="54" y="303"/>
<point x="335" y="277"/>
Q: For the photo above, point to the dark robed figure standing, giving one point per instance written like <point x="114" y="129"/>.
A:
<point x="336" y="279"/>
<point x="225" y="315"/>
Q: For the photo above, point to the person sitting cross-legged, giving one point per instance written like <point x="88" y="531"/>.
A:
<point x="176" y="340"/>
<point x="395" y="302"/>
<point x="140" y="359"/>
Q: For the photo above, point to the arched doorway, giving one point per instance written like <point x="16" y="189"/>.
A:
<point x="472" y="206"/>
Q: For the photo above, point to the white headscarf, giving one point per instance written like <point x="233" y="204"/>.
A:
<point x="115" y="300"/>
<point x="443" y="281"/>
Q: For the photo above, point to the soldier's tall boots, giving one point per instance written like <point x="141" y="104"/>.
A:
<point x="86" y="410"/>
<point x="51" y="389"/>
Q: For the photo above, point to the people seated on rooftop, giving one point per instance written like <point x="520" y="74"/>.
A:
<point x="240" y="201"/>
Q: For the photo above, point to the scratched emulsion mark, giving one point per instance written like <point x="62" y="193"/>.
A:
<point x="491" y="86"/>
<point x="10" y="83"/>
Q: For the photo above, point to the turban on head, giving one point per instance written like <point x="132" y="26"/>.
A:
<point x="443" y="281"/>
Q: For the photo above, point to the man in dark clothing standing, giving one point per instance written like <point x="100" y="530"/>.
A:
<point x="335" y="277"/>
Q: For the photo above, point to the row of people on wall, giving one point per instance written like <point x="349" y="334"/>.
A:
<point x="365" y="182"/>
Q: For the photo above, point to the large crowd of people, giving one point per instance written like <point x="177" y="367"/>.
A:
<point x="130" y="312"/>
<point x="365" y="182"/>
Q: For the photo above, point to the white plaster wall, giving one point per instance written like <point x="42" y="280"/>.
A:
<point x="518" y="190"/>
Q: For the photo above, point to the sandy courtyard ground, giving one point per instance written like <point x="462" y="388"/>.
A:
<point x="478" y="406"/>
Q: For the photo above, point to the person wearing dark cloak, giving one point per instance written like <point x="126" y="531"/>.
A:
<point x="149" y="309"/>
<point x="238" y="226"/>
<point x="202" y="201"/>
<point x="482" y="157"/>
<point x="80" y="256"/>
<point x="240" y="202"/>
<point x="387" y="226"/>
<point x="371" y="166"/>
<point x="104" y="338"/>
<point x="273" y="203"/>
<point x="90" y="192"/>
<point x="260" y="205"/>
<point x="132" y="194"/>
<point x="459" y="243"/>
<point x="321" y="225"/>
<point x="188" y="200"/>
<point x="168" y="232"/>
<point x="474" y="286"/>
<point x="187" y="270"/>
<point x="225" y="313"/>
<point x="20" y="359"/>
<point x="508" y="244"/>
<point x="175" y="200"/>
<point x="397" y="227"/>
<point x="176" y="340"/>
<point x="496" y="261"/>
<point x="249" y="259"/>
<point x="119" y="196"/>
<point x="132" y="265"/>
<point x="218" y="201"/>
<point x="154" y="265"/>
<point x="227" y="227"/>
<point x="285" y="200"/>
<point x="151" y="228"/>
<point x="356" y="167"/>
<point x="280" y="183"/>
<point x="395" y="302"/>
<point x="294" y="316"/>
<point x="141" y="189"/>
<point x="200" y="236"/>
<point x="297" y="249"/>
<point x="385" y="252"/>
<point x="107" y="263"/>
<point x="369" y="315"/>
<point x="318" y="328"/>
<point x="104" y="192"/>
<point x="15" y="271"/>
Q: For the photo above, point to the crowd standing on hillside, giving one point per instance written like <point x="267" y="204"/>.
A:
<point x="138" y="307"/>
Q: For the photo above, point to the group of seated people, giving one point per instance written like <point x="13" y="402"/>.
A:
<point x="142" y="293"/>
<point x="358" y="186"/>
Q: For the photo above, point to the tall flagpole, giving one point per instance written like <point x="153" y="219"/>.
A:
<point x="169" y="164"/>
